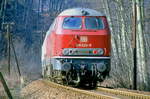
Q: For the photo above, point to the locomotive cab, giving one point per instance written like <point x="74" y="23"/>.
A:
<point x="76" y="48"/>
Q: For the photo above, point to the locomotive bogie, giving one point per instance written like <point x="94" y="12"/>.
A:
<point x="77" y="71"/>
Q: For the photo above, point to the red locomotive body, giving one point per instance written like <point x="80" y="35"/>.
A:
<point x="77" y="45"/>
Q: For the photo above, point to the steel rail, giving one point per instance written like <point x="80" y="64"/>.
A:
<point x="131" y="95"/>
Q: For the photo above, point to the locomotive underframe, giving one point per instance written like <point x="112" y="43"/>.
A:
<point x="77" y="71"/>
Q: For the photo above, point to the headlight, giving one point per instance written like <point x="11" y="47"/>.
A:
<point x="100" y="51"/>
<point x="65" y="51"/>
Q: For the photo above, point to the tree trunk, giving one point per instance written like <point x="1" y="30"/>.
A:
<point x="142" y="83"/>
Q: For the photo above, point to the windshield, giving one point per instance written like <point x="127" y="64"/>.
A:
<point x="72" y="23"/>
<point x="93" y="23"/>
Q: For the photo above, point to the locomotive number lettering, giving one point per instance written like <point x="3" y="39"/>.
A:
<point x="83" y="45"/>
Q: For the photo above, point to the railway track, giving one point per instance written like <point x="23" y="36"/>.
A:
<point x="100" y="93"/>
<point x="130" y="95"/>
<point x="79" y="91"/>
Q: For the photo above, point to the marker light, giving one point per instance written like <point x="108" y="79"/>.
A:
<point x="95" y="52"/>
<point x="98" y="51"/>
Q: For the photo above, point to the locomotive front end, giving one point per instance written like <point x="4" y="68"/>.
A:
<point x="80" y="52"/>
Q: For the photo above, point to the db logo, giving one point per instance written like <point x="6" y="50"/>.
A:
<point x="83" y="39"/>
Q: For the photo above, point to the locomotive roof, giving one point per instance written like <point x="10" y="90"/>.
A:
<point x="80" y="12"/>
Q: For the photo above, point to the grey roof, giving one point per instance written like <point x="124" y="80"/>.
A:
<point x="80" y="12"/>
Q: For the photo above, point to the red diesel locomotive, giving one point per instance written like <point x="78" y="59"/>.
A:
<point x="76" y="49"/>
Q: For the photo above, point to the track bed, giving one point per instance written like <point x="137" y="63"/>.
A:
<point x="43" y="89"/>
